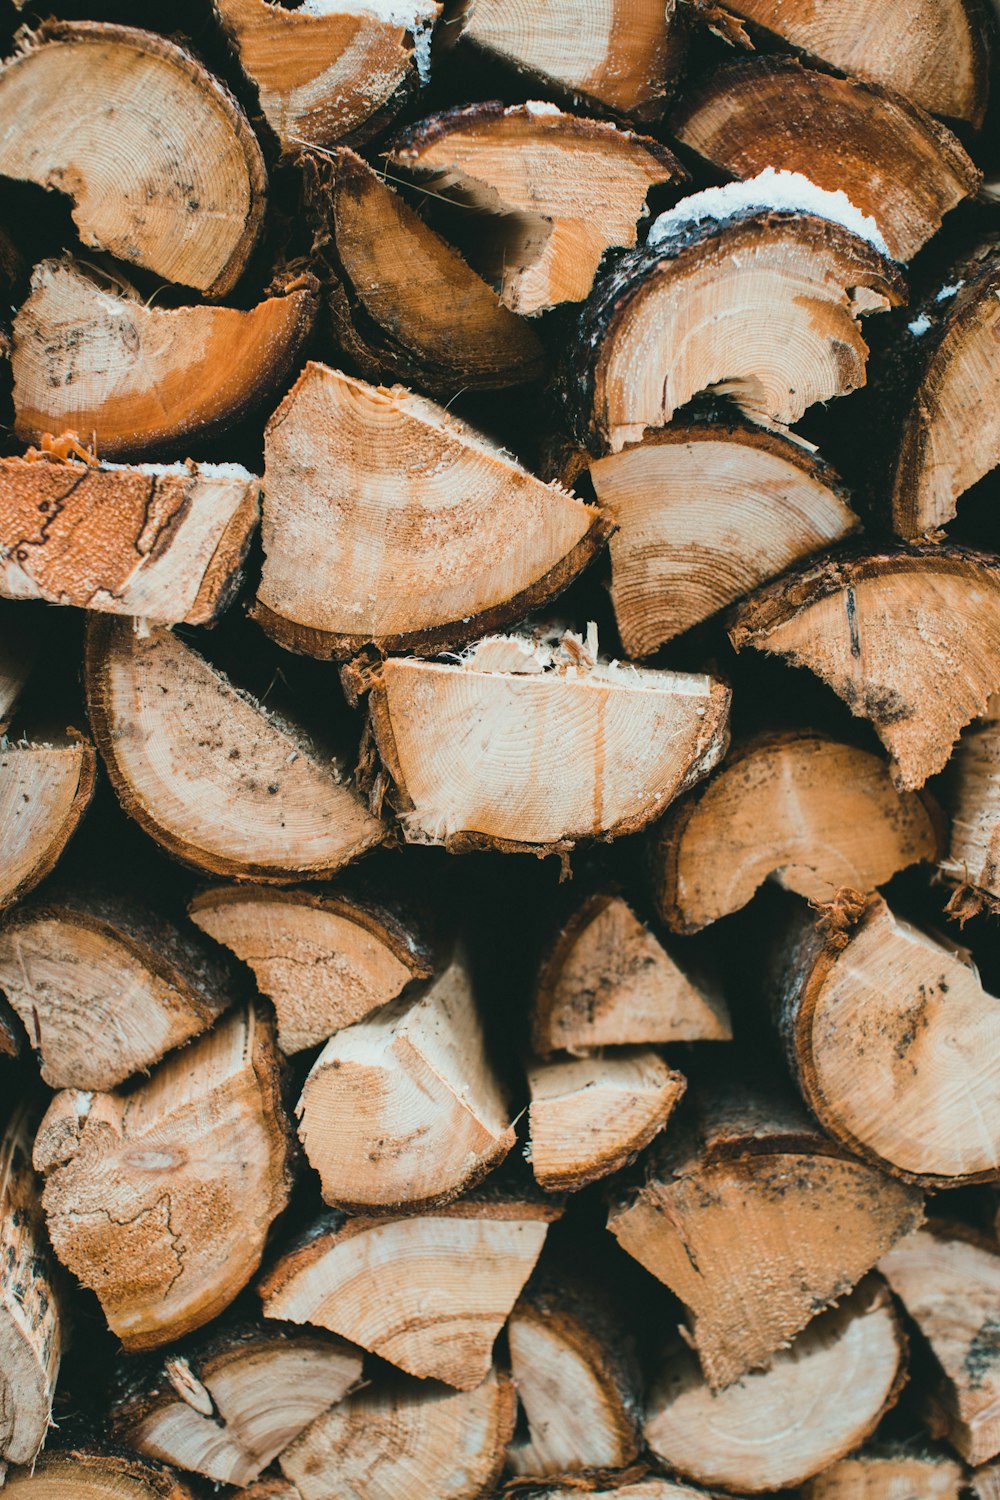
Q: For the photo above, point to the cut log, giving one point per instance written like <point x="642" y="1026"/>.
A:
<point x="742" y="291"/>
<point x="984" y="1483"/>
<point x="892" y="1038"/>
<point x="166" y="542"/>
<point x="889" y="1476"/>
<point x="44" y="792"/>
<point x="403" y="301"/>
<point x="811" y="813"/>
<point x="576" y="1380"/>
<point x="92" y="1474"/>
<point x="608" y="981"/>
<point x="32" y="1326"/>
<point x="160" y="163"/>
<point x="324" y="959"/>
<point x="885" y="631"/>
<point x="623" y="55"/>
<point x="970" y="792"/>
<point x="18" y="652"/>
<point x="221" y="782"/>
<point x="949" y="1283"/>
<point x="933" y="51"/>
<point x="403" y="1111"/>
<point x="590" y="1116"/>
<point x="762" y="1433"/>
<point x="331" y="67"/>
<point x="894" y="162"/>
<point x="105" y="985"/>
<point x="232" y="1402"/>
<point x="160" y="1199"/>
<point x="941" y="390"/>
<point x="405" y="1438"/>
<point x="521" y="167"/>
<point x="707" y="512"/>
<point x="652" y="1488"/>
<point x="523" y="711"/>
<point x="429" y="1293"/>
<point x="756" y="1222"/>
<point x="387" y="520"/>
<point x="134" y="379"/>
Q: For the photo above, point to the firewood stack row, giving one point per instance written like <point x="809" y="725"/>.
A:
<point x="500" y="775"/>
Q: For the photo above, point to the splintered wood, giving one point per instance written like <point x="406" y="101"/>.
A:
<point x="435" y="433"/>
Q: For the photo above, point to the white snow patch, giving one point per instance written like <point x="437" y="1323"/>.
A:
<point x="780" y="191"/>
<point x="81" y="1103"/>
<point x="423" y="32"/>
<point x="205" y="471"/>
<point x="541" y="107"/>
<point x="949" y="291"/>
<point x="919" y="325"/>
<point x="407" y="13"/>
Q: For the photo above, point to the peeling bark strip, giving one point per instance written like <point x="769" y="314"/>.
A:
<point x="636" y="738"/>
<point x="44" y="792"/>
<point x="429" y="1293"/>
<point x="221" y="782"/>
<point x="756" y="1221"/>
<point x="134" y="379"/>
<point x="811" y="813"/>
<point x="161" y="1199"/>
<point x="879" y="1020"/>
<point x="172" y="177"/>
<point x="885" y="631"/>
<point x="162" y="544"/>
<point x="93" y="1474"/>
<point x="521" y="167"/>
<point x="31" y="1302"/>
<point x="328" y="70"/>
<point x="388" y="521"/>
<point x="234" y="1400"/>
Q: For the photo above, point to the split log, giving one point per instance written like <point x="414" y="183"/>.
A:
<point x="221" y="782"/>
<point x="892" y="1036"/>
<point x="652" y="1488"/>
<point x="231" y="1403"/>
<point x="984" y="1483"/>
<point x="93" y="1474"/>
<point x="105" y="985"/>
<point x="894" y="162"/>
<point x="331" y="67"/>
<point x="624" y="55"/>
<point x="740" y="290"/>
<point x="160" y="162"/>
<point x="524" y="711"/>
<point x="32" y="1326"/>
<point x="18" y="652"/>
<point x="160" y="1199"/>
<point x="590" y="1116"/>
<point x="932" y="51"/>
<point x="811" y="813"/>
<point x="970" y="792"/>
<point x="388" y="520"/>
<point x="762" y="1433"/>
<point x="941" y="390"/>
<point x="406" y="1438"/>
<point x="403" y="1111"/>
<point x="133" y="379"/>
<point x="577" y="1382"/>
<point x="165" y="541"/>
<point x="324" y="959"/>
<point x="45" y="789"/>
<point x="402" y="300"/>
<point x="429" y="1293"/>
<point x="608" y="981"/>
<point x="756" y="1222"/>
<point x="885" y="632"/>
<point x="521" y="167"/>
<point x="949" y="1283"/>
<point x="889" y="1476"/>
<point x="706" y="512"/>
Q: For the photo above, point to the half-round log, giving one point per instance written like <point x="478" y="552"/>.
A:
<point x="882" y="1475"/>
<point x="93" y="1474"/>
<point x="44" y="792"/>
<point x="970" y="792"/>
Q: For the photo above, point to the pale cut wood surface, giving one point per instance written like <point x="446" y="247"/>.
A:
<point x="44" y="792"/>
<point x="90" y="1474"/>
<point x="811" y="813"/>
<point x="429" y="1293"/>
<point x="132" y="379"/>
<point x="388" y="520"/>
<point x="706" y="512"/>
<point x="878" y="1476"/>
<point x="168" y="546"/>
<point x="207" y="771"/>
<point x="159" y="160"/>
<point x="161" y="1199"/>
<point x="971" y="796"/>
<point x="403" y="1110"/>
<point x="762" y="1433"/>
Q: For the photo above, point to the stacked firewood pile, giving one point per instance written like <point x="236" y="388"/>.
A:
<point x="500" y="760"/>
